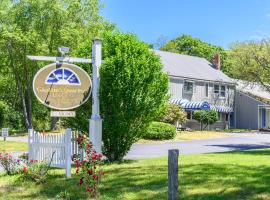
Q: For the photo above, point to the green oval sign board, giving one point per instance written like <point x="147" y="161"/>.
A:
<point x="62" y="88"/>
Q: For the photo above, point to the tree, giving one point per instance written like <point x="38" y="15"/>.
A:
<point x="2" y="114"/>
<point x="188" y="45"/>
<point x="251" y="62"/>
<point x="174" y="114"/>
<point x="133" y="89"/>
<point x="39" y="27"/>
<point x="205" y="117"/>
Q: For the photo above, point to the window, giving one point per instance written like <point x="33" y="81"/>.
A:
<point x="188" y="87"/>
<point x="206" y="89"/>
<point x="216" y="89"/>
<point x="227" y="117"/>
<point x="222" y="91"/>
<point x="189" y="115"/>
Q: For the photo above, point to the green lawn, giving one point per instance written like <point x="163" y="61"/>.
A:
<point x="10" y="146"/>
<point x="188" y="135"/>
<point x="220" y="176"/>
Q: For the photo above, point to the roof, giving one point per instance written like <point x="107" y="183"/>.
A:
<point x="191" y="67"/>
<point x="255" y="90"/>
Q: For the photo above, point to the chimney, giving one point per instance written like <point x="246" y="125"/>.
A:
<point x="216" y="61"/>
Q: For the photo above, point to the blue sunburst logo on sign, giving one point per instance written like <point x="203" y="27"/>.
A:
<point x="63" y="76"/>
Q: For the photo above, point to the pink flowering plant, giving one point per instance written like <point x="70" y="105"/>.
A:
<point x="34" y="170"/>
<point x="9" y="163"/>
<point x="89" y="167"/>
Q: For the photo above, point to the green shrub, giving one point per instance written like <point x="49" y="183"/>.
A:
<point x="207" y="117"/>
<point x="174" y="113"/>
<point x="160" y="131"/>
<point x="133" y="90"/>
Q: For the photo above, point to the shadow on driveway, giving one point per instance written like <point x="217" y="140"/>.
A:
<point x="242" y="147"/>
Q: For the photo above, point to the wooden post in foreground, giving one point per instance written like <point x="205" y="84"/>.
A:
<point x="173" y="174"/>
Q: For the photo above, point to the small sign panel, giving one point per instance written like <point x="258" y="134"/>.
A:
<point x="205" y="106"/>
<point x="63" y="114"/>
<point x="62" y="87"/>
<point x="5" y="132"/>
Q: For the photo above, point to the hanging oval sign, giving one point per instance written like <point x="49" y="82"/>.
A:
<point x="62" y="87"/>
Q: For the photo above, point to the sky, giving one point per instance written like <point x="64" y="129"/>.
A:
<point x="219" y="22"/>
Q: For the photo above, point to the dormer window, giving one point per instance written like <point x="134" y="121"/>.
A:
<point x="188" y="86"/>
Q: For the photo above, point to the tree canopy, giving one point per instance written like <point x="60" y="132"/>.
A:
<point x="39" y="27"/>
<point x="251" y="61"/>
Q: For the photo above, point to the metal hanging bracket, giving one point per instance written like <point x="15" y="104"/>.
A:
<point x="62" y="59"/>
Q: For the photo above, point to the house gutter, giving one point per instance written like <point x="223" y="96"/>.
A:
<point x="203" y="80"/>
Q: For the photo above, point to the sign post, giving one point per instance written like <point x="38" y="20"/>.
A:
<point x="95" y="124"/>
<point x="64" y="86"/>
<point x="95" y="128"/>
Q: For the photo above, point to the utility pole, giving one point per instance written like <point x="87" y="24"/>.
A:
<point x="95" y="129"/>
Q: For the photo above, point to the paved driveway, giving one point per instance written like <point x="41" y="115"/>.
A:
<point x="240" y="141"/>
<point x="235" y="141"/>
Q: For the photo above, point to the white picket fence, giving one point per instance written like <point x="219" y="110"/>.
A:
<point x="57" y="148"/>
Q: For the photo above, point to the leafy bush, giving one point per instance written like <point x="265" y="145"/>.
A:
<point x="8" y="163"/>
<point x="160" y="131"/>
<point x="206" y="117"/>
<point x="64" y="195"/>
<point x="133" y="89"/>
<point x="9" y="117"/>
<point x="34" y="170"/>
<point x="174" y="113"/>
<point x="24" y="156"/>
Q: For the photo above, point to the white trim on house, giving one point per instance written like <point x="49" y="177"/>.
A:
<point x="206" y="83"/>
<point x="203" y="80"/>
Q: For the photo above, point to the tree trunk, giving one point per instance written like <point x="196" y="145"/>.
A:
<point x="27" y="120"/>
<point x="54" y="121"/>
<point x="28" y="91"/>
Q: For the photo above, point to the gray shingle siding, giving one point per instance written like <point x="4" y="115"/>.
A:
<point x="246" y="111"/>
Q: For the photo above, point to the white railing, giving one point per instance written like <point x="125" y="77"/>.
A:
<point x="57" y="148"/>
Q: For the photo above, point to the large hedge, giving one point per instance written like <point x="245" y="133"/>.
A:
<point x="160" y="131"/>
<point x="133" y="90"/>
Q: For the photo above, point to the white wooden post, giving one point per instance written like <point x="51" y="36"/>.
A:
<point x="30" y="141"/>
<point x="68" y="152"/>
<point x="95" y="130"/>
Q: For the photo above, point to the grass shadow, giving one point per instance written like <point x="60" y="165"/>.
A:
<point x="221" y="176"/>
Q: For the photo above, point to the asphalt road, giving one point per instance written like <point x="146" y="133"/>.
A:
<point x="235" y="141"/>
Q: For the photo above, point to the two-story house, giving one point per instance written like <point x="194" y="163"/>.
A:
<point x="198" y="84"/>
